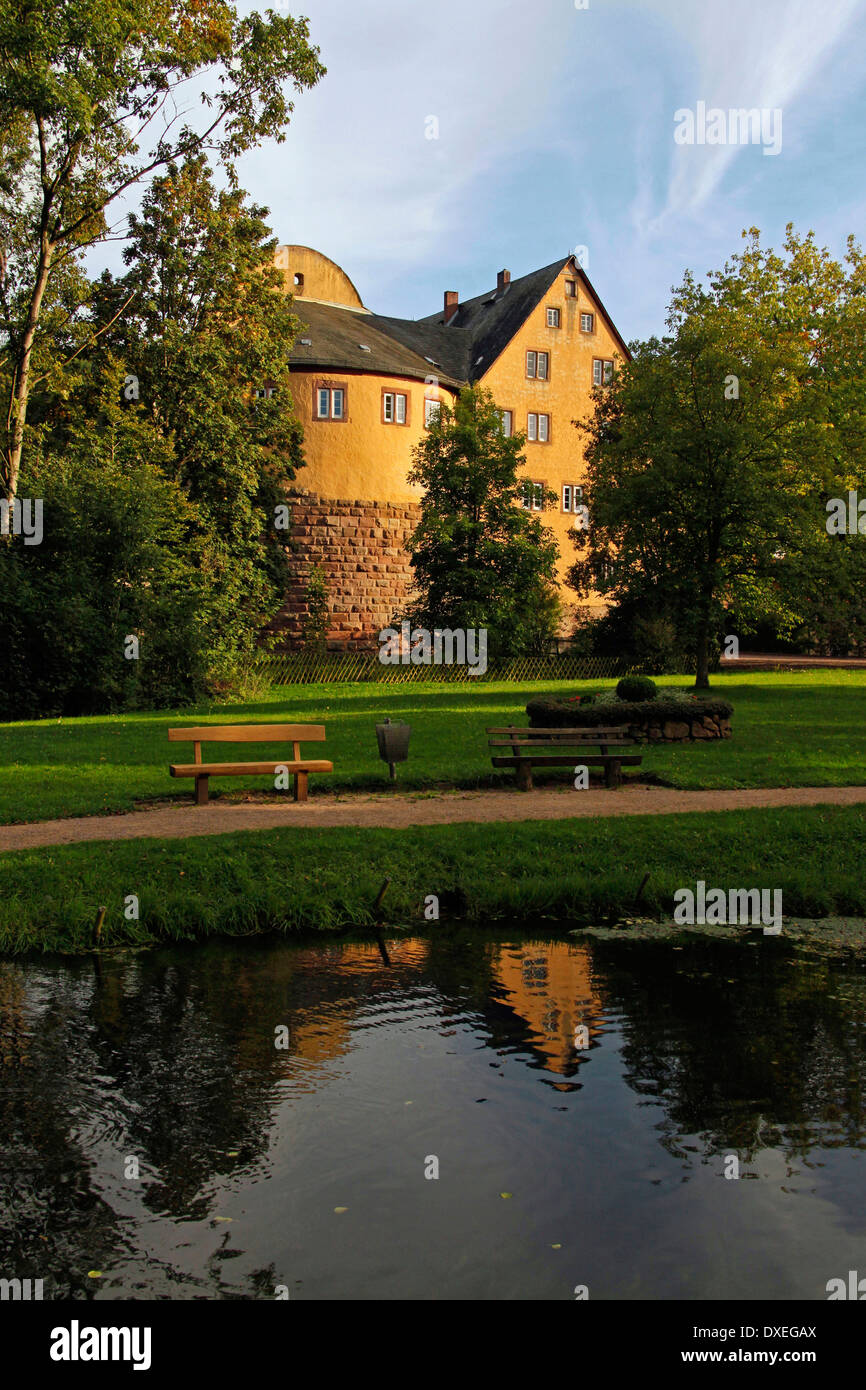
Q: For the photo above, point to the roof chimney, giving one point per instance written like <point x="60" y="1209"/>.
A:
<point x="503" y="279"/>
<point x="451" y="304"/>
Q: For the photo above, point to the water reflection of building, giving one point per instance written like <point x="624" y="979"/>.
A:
<point x="547" y="987"/>
<point x="550" y="986"/>
<point x="322" y="1030"/>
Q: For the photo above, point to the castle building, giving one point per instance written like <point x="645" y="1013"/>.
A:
<point x="366" y="386"/>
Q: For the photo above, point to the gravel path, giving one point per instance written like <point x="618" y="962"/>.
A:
<point x="397" y="811"/>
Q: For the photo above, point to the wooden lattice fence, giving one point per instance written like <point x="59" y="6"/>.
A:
<point x="301" y="669"/>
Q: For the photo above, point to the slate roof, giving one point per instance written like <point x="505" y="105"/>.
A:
<point x="490" y="320"/>
<point x="336" y="338"/>
<point x="457" y="353"/>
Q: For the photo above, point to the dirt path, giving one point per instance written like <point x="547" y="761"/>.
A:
<point x="398" y="811"/>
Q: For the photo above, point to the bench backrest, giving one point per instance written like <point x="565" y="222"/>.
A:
<point x="249" y="733"/>
<point x="587" y="734"/>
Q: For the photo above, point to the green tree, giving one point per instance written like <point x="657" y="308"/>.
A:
<point x="480" y="559"/>
<point x="205" y="338"/>
<point x="708" y="454"/>
<point x="163" y="401"/>
<point x="83" y="84"/>
<point x="318" y="614"/>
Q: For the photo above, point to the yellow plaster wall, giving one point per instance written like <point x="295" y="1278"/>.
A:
<point x="323" y="279"/>
<point x="360" y="457"/>
<point x="566" y="396"/>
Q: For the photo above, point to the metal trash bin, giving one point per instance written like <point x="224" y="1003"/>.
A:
<point x="393" y="742"/>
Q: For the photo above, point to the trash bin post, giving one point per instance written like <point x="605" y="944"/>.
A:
<point x="393" y="740"/>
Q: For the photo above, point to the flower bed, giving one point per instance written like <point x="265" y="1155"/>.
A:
<point x="671" y="718"/>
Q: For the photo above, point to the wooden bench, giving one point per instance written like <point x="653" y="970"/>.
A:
<point x="250" y="733"/>
<point x="536" y="747"/>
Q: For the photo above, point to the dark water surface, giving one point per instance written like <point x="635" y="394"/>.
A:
<point x="463" y="1051"/>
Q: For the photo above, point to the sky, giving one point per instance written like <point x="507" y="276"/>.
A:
<point x="558" y="125"/>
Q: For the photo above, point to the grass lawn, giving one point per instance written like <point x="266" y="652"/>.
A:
<point x="302" y="880"/>
<point x="790" y="729"/>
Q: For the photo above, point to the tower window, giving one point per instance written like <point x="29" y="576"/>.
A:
<point x="330" y="402"/>
<point x="394" y="411"/>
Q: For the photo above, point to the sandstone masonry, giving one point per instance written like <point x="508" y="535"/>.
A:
<point x="361" y="548"/>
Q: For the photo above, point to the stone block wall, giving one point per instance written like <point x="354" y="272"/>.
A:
<point x="690" y="729"/>
<point x="361" y="548"/>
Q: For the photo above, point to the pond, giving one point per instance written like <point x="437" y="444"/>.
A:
<point x="262" y="1119"/>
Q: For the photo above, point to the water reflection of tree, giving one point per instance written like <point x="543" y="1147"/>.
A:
<point x="52" y="1215"/>
<point x="170" y="1057"/>
<point x="747" y="1046"/>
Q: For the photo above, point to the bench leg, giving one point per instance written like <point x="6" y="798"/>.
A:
<point x="201" y="791"/>
<point x="301" y="786"/>
<point x="524" y="776"/>
<point x="613" y="773"/>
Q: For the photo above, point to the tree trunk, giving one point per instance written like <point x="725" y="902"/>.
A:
<point x="702" y="656"/>
<point x="22" y="376"/>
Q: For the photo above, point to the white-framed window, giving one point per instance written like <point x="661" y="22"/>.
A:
<point x="538" y="428"/>
<point x="532" y="495"/>
<point x="394" y="408"/>
<point x="531" y="363"/>
<point x="330" y="403"/>
<point x="264" y="393"/>
<point x="602" y="371"/>
<point x="572" y="497"/>
<point x="543" y="366"/>
<point x="571" y="289"/>
<point x="587" y="323"/>
<point x="553" y="318"/>
<point x="507" y="418"/>
<point x="431" y="412"/>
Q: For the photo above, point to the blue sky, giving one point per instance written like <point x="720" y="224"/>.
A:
<point x="556" y="129"/>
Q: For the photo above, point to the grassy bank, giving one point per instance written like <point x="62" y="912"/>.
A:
<point x="790" y="729"/>
<point x="322" y="880"/>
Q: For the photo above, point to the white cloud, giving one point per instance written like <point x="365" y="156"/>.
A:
<point x="746" y="53"/>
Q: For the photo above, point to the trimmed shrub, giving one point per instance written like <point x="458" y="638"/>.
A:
<point x="558" y="712"/>
<point x="634" y="688"/>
